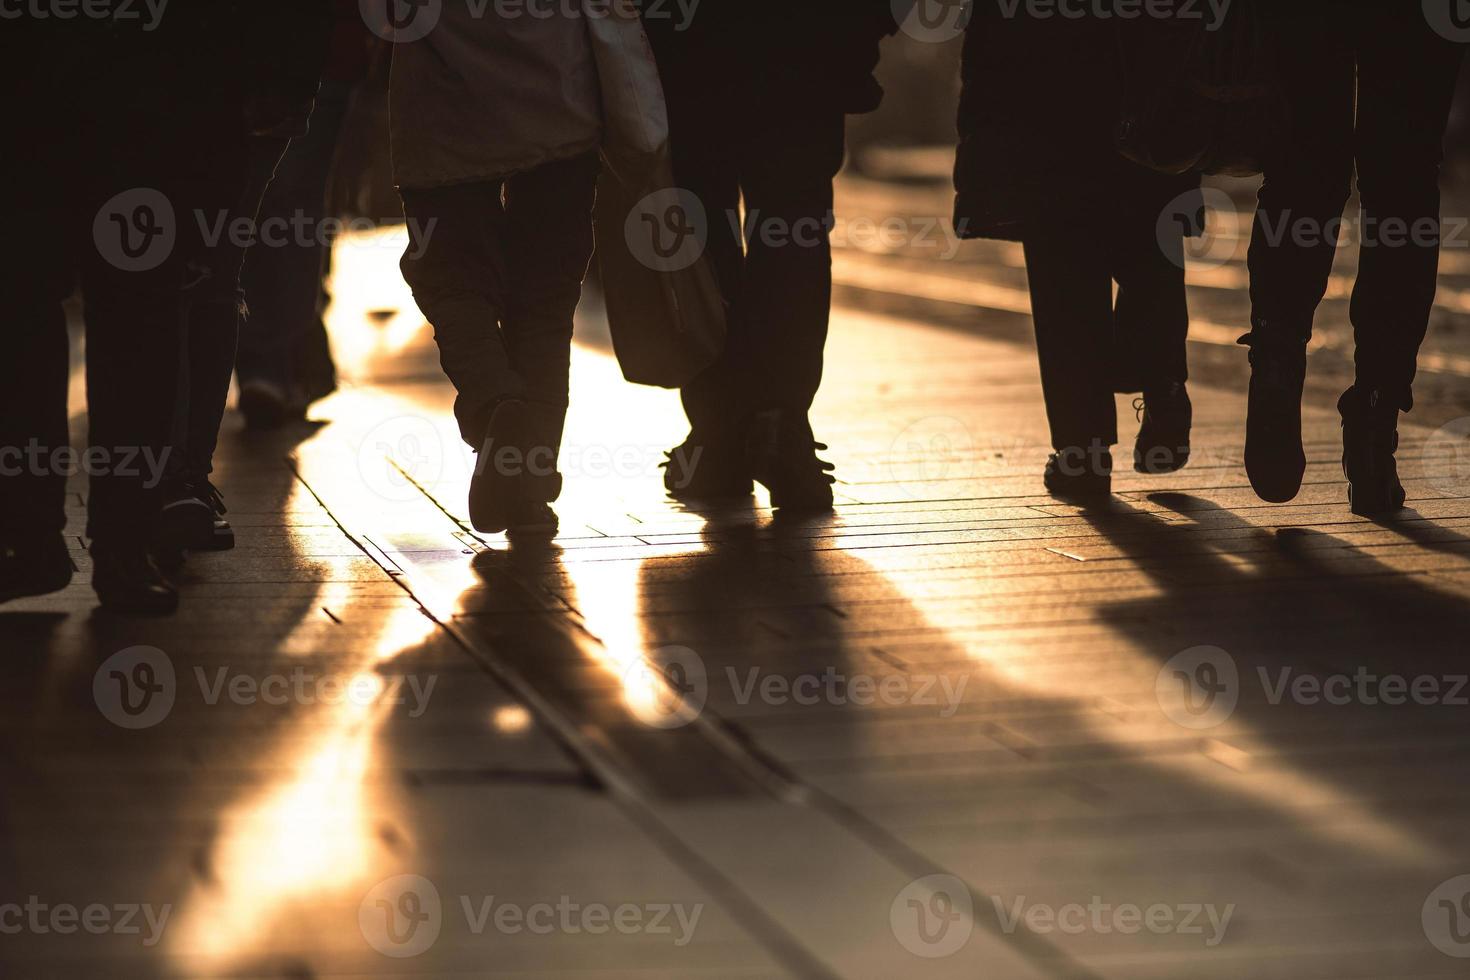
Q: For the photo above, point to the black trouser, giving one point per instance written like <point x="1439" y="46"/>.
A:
<point x="1071" y="269"/>
<point x="87" y="215"/>
<point x="1403" y="75"/>
<point x="497" y="268"/>
<point x="775" y="268"/>
<point x="213" y="302"/>
<point x="284" y="285"/>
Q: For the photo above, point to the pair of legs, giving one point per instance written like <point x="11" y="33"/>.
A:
<point x="774" y="262"/>
<point x="1370" y="84"/>
<point x="285" y="344"/>
<point x="748" y="412"/>
<point x="1080" y="328"/>
<point x="86" y="226"/>
<point x="497" y="268"/>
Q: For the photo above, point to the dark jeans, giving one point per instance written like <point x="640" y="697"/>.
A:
<point x="1385" y="57"/>
<point x="213" y="302"/>
<point x="776" y="272"/>
<point x="497" y="269"/>
<point x="1071" y="270"/>
<point x="284" y="285"/>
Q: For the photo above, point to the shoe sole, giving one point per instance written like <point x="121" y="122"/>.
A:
<point x="492" y="492"/>
<point x="1140" y="465"/>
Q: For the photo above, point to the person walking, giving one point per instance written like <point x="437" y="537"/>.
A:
<point x="1370" y="84"/>
<point x="1037" y="165"/>
<point x="758" y="92"/>
<point x="285" y="360"/>
<point x="496" y="123"/>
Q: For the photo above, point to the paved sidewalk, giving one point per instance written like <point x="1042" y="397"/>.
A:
<point x="957" y="729"/>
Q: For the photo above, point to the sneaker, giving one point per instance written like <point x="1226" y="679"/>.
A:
<point x="1274" y="458"/>
<point x="192" y="518"/>
<point x="1370" y="438"/>
<point x="29" y="568"/>
<point x="499" y="472"/>
<point x="1070" y="475"/>
<point x="1166" y="416"/>
<point x="704" y="468"/>
<point x="267" y="405"/>
<point x="781" y="456"/>
<point x="127" y="580"/>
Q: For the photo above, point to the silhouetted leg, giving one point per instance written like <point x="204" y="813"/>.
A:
<point x="549" y="228"/>
<point x="283" y="285"/>
<point x="455" y="265"/>
<point x="213" y="307"/>
<point x="1072" y="306"/>
<point x="1308" y="176"/>
<point x="704" y="165"/>
<point x="33" y="407"/>
<point x="133" y="324"/>
<point x="1406" y="79"/>
<point x="1152" y="308"/>
<point x="786" y="177"/>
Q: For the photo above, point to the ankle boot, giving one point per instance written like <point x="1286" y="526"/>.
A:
<point x="1274" y="458"/>
<point x="1370" y="437"/>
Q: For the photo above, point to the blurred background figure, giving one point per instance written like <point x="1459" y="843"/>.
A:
<point x="285" y="360"/>
<point x="758" y="93"/>
<point x="1037" y="164"/>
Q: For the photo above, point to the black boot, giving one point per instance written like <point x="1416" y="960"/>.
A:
<point x="34" y="567"/>
<point x="1076" y="474"/>
<point x="1163" y="436"/>
<point x="126" y="580"/>
<point x="1370" y="437"/>
<point x="781" y="454"/>
<point x="1274" y="458"/>
<point x="708" y="466"/>
<point x="501" y="469"/>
